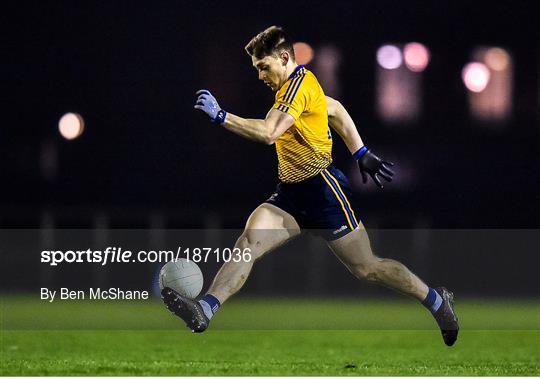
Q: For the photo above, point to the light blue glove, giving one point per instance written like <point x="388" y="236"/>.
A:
<point x="209" y="105"/>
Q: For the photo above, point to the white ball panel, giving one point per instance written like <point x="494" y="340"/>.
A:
<point x="183" y="276"/>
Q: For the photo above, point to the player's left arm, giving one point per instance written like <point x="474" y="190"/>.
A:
<point x="264" y="131"/>
<point x="340" y="120"/>
<point x="368" y="163"/>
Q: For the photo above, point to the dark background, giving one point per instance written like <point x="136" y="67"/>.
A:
<point x="147" y="159"/>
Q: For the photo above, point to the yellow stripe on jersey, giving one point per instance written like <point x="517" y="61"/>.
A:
<point x="351" y="225"/>
<point x="305" y="149"/>
<point x="348" y="205"/>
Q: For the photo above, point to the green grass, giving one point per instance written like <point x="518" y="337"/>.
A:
<point x="86" y="338"/>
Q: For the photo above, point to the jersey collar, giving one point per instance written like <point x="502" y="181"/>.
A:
<point x="298" y="68"/>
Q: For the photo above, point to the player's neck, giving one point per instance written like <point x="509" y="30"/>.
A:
<point x="291" y="66"/>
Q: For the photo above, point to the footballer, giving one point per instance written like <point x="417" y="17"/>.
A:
<point x="312" y="194"/>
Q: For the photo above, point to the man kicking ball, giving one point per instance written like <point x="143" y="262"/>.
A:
<point x="312" y="194"/>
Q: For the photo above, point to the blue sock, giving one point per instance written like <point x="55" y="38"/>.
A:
<point x="210" y="305"/>
<point x="433" y="300"/>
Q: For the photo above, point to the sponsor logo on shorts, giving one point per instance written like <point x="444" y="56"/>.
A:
<point x="340" y="229"/>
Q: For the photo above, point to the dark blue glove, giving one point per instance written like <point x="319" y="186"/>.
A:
<point x="372" y="165"/>
<point x="209" y="105"/>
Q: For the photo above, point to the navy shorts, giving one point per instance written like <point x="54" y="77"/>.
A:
<point x="320" y="204"/>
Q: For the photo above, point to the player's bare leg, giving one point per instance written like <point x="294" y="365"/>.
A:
<point x="354" y="250"/>
<point x="267" y="228"/>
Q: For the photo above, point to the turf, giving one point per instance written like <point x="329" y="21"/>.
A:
<point x="27" y="349"/>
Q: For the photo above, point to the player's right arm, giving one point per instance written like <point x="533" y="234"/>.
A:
<point x="265" y="131"/>
<point x="368" y="163"/>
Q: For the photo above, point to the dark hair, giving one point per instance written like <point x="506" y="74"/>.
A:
<point x="270" y="42"/>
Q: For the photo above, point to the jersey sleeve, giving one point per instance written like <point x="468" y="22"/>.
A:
<point x="293" y="98"/>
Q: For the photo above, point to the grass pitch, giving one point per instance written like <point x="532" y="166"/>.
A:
<point x="340" y="337"/>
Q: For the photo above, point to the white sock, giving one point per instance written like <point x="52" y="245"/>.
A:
<point x="206" y="309"/>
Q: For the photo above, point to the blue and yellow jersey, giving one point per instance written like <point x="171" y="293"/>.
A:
<point x="305" y="149"/>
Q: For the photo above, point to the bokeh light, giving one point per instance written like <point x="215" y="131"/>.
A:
<point x="71" y="125"/>
<point x="475" y="76"/>
<point x="389" y="57"/>
<point x="497" y="59"/>
<point x="303" y="52"/>
<point x="416" y="56"/>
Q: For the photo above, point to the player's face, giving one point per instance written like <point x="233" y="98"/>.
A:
<point x="272" y="70"/>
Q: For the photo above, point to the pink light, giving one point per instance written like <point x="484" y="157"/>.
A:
<point x="497" y="59"/>
<point x="475" y="76"/>
<point x="71" y="125"/>
<point x="416" y="56"/>
<point x="303" y="52"/>
<point x="389" y="57"/>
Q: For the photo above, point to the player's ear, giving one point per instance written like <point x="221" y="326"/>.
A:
<point x="284" y="58"/>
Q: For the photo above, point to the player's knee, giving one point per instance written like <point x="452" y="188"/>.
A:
<point x="251" y="242"/>
<point x="248" y="240"/>
<point x="366" y="271"/>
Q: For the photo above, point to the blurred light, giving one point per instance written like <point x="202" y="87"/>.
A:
<point x="389" y="57"/>
<point x="416" y="56"/>
<point x="71" y="125"/>
<point x="475" y="76"/>
<point x="399" y="95"/>
<point x="303" y="52"/>
<point x="497" y="59"/>
<point x="326" y="66"/>
<point x="494" y="103"/>
<point x="48" y="161"/>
